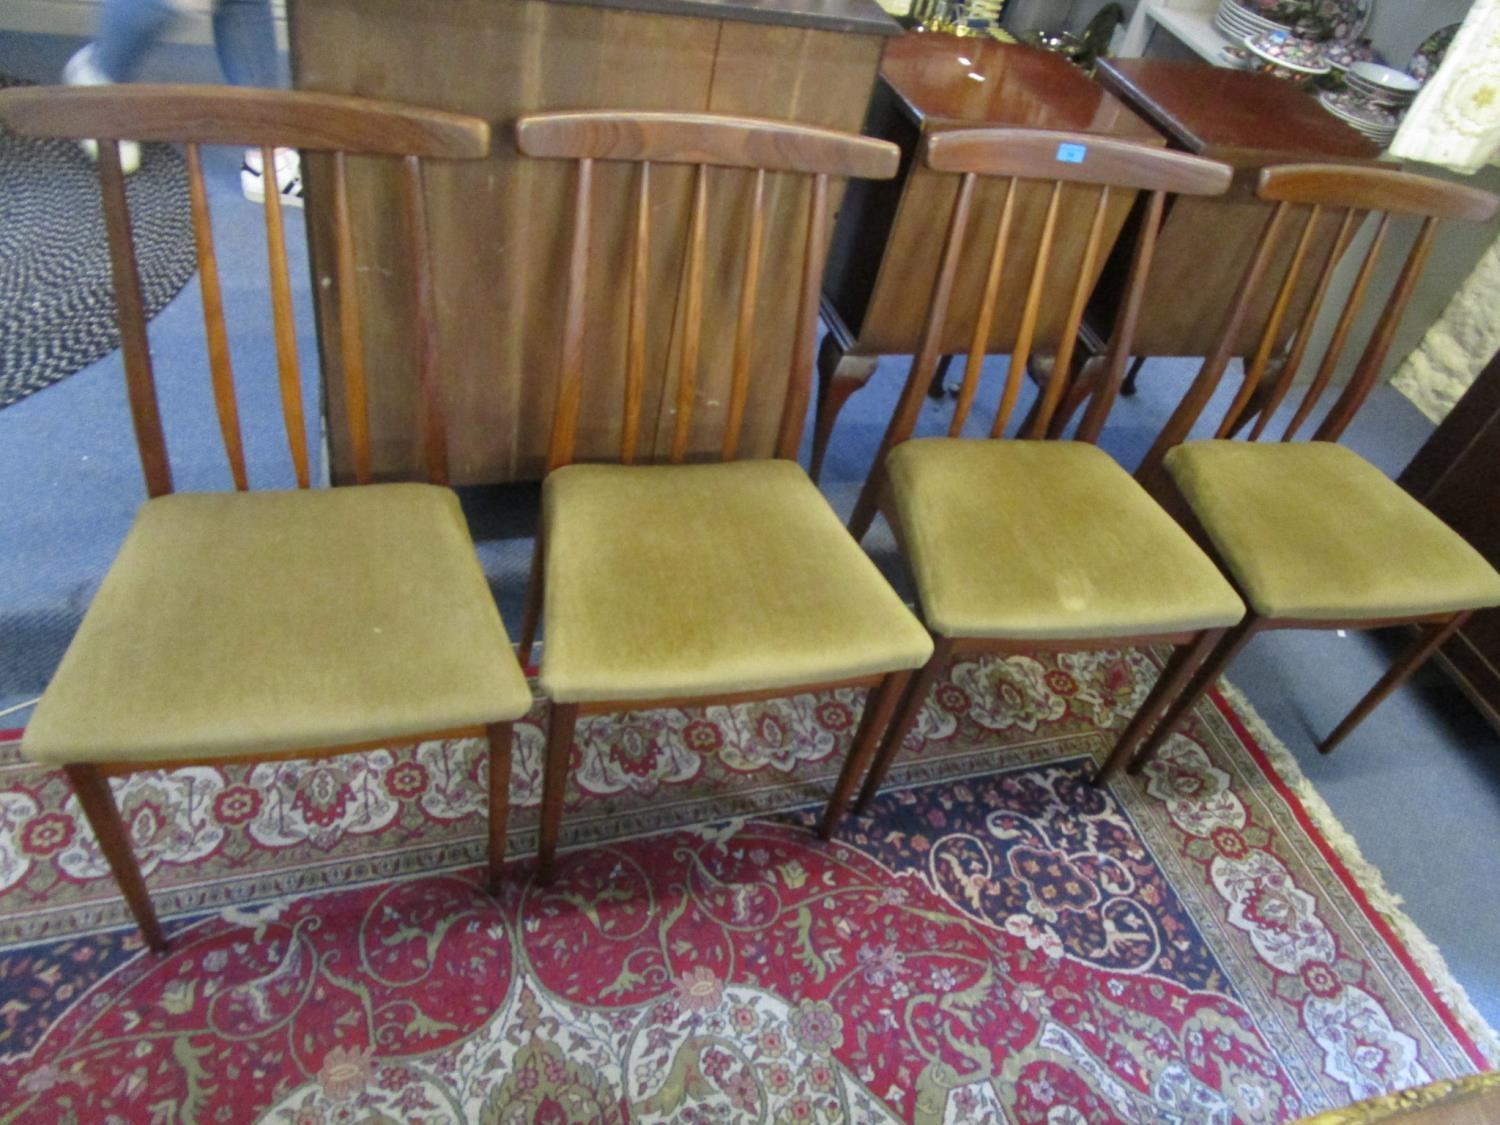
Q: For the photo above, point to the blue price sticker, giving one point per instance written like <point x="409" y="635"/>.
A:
<point x="1072" y="154"/>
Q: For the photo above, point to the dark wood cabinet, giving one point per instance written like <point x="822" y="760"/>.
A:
<point x="1457" y="475"/>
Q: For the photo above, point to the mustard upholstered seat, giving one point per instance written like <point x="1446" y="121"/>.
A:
<point x="1312" y="531"/>
<point x="1046" y="540"/>
<point x="258" y="622"/>
<point x="695" y="580"/>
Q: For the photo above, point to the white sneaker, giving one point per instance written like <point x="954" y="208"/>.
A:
<point x="81" y="71"/>
<point x="288" y="176"/>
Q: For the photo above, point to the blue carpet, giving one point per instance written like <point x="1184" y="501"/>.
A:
<point x="1418" y="784"/>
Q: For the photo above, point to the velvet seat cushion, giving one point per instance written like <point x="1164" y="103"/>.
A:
<point x="1046" y="540"/>
<point x="258" y="622"/>
<point x="1311" y="530"/>
<point x="670" y="581"/>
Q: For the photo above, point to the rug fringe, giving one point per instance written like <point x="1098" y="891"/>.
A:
<point x="1369" y="877"/>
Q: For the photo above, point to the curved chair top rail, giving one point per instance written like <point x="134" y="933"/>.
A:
<point x="1376" y="189"/>
<point x="701" y="138"/>
<point x="1031" y="154"/>
<point x="227" y="115"/>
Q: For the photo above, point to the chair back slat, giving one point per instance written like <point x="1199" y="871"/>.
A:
<point x="979" y="341"/>
<point x="1117" y="352"/>
<point x="1217" y="362"/>
<point x="267" y="120"/>
<point x="692" y="328"/>
<point x="130" y="312"/>
<point x="1318" y="190"/>
<point x="570" y="374"/>
<point x="1362" y="382"/>
<point x="1056" y="158"/>
<point x="744" y="329"/>
<point x="705" y="141"/>
<point x="356" y="409"/>
<point x="221" y="371"/>
<point x="1257" y="369"/>
<point x="805" y="336"/>
<point x="924" y="362"/>
<point x="288" y="369"/>
<point x="1292" y="364"/>
<point x="1030" y="311"/>
<point x="635" y="344"/>
<point x="1082" y="287"/>
<point x="1340" y="338"/>
<point x="429" y="375"/>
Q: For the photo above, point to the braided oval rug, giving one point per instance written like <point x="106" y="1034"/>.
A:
<point x="57" y="311"/>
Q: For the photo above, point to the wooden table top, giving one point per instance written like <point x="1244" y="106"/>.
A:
<point x="1204" y="109"/>
<point x="945" y="80"/>
<point x="861" y="17"/>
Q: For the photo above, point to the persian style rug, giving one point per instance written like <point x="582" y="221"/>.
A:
<point x="996" y="941"/>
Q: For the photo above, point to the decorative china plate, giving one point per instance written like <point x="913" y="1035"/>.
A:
<point x="1302" y="56"/>
<point x="1429" y="55"/>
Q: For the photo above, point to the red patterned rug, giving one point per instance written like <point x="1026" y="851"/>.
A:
<point x="997" y="941"/>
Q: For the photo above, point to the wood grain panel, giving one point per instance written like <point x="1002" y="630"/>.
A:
<point x="909" y="268"/>
<point x="1186" y="298"/>
<point x="815" y="77"/>
<point x="500" y="230"/>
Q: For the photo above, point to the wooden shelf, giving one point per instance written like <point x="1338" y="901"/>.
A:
<point x="1194" y="28"/>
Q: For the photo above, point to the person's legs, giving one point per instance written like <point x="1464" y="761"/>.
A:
<point x="127" y="29"/>
<point x="245" y="39"/>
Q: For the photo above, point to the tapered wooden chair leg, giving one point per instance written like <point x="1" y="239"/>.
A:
<point x="878" y="707"/>
<point x="114" y="841"/>
<point x="834" y="392"/>
<point x="1428" y="641"/>
<point x="869" y="499"/>
<point x="499" y="736"/>
<point x="560" y="727"/>
<point x="1185" y="659"/>
<point x="912" y="702"/>
<point x="1208" y="672"/>
<point x="534" y="591"/>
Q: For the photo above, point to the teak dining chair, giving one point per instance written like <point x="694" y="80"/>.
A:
<point x="242" y="626"/>
<point x="1026" y="545"/>
<point x="1313" y="536"/>
<point x="720" y="582"/>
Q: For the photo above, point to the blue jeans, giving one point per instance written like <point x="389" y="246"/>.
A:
<point x="244" y="38"/>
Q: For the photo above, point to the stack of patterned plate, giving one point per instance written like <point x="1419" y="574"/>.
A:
<point x="1383" y="85"/>
<point x="1335" y="19"/>
<point x="1374" y="99"/>
<point x="1377" y="122"/>
<point x="1239" y="23"/>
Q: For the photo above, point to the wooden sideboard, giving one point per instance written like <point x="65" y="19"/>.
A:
<point x="1457" y="475"/>
<point x="499" y="227"/>
<point x="1249" y="121"/>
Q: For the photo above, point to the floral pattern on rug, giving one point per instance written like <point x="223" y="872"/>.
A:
<point x="996" y="941"/>
<point x="212" y="837"/>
